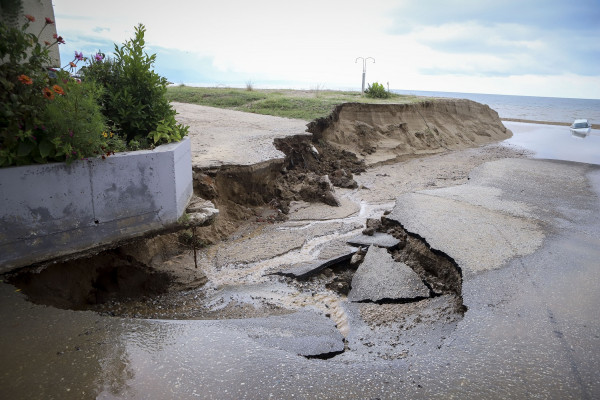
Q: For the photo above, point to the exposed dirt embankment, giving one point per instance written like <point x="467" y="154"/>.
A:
<point x="249" y="196"/>
<point x="384" y="132"/>
<point x="263" y="192"/>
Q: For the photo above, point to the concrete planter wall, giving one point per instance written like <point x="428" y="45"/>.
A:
<point x="52" y="210"/>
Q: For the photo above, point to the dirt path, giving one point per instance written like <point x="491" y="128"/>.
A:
<point x="227" y="137"/>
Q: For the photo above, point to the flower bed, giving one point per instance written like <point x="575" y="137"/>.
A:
<point x="51" y="210"/>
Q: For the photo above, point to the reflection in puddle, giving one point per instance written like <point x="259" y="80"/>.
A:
<point x="555" y="142"/>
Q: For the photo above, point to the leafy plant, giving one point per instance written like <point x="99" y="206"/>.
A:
<point x="76" y="127"/>
<point x="134" y="99"/>
<point x="377" y="90"/>
<point x="168" y="131"/>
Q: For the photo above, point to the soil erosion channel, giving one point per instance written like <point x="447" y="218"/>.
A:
<point x="306" y="232"/>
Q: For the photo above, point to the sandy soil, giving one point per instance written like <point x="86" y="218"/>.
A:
<point x="380" y="133"/>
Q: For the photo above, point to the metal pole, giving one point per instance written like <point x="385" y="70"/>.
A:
<point x="364" y="73"/>
<point x="363" y="82"/>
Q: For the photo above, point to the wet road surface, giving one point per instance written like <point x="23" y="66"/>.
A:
<point x="531" y="329"/>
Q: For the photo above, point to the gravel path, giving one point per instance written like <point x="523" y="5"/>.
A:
<point x="227" y="137"/>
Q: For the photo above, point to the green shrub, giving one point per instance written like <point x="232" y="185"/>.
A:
<point x="377" y="91"/>
<point x="168" y="131"/>
<point x="135" y="96"/>
<point x="75" y="124"/>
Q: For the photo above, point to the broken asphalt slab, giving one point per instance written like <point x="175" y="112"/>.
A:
<point x="306" y="270"/>
<point x="378" y="239"/>
<point x="379" y="277"/>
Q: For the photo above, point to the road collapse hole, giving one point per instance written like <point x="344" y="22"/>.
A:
<point x="440" y="273"/>
<point x="334" y="274"/>
<point x="83" y="283"/>
<point x="338" y="277"/>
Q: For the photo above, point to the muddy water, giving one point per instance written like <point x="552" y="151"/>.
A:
<point x="241" y="271"/>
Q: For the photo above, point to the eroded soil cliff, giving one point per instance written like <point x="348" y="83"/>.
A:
<point x="381" y="133"/>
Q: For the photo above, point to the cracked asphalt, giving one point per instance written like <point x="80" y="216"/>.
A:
<point x="531" y="328"/>
<point x="526" y="235"/>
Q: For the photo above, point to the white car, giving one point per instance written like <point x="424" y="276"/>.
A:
<point x="581" y="128"/>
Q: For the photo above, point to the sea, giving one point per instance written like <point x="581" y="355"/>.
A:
<point x="550" y="109"/>
<point x="544" y="141"/>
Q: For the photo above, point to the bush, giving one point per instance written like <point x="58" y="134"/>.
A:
<point x="45" y="115"/>
<point x="377" y="90"/>
<point x="75" y="124"/>
<point x="135" y="96"/>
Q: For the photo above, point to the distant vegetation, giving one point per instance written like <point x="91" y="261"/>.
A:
<point x="377" y="91"/>
<point x="301" y="104"/>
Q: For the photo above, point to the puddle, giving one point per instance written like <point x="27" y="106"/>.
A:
<point x="555" y="142"/>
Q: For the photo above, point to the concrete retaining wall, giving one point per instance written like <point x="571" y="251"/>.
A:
<point x="51" y="210"/>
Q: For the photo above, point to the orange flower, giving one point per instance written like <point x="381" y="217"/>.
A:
<point x="72" y="64"/>
<point x="31" y="18"/>
<point x="48" y="93"/>
<point x="58" y="89"/>
<point x="24" y="79"/>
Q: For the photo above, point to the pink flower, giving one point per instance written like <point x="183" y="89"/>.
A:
<point x="59" y="39"/>
<point x="49" y="21"/>
<point x="99" y="57"/>
<point x="79" y="56"/>
<point x="31" y="18"/>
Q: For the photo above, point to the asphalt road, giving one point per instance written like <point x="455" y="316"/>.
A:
<point x="526" y="234"/>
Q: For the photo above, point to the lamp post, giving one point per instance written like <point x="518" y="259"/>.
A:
<point x="364" y="60"/>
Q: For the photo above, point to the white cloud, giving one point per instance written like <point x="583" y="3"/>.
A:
<point x="316" y="42"/>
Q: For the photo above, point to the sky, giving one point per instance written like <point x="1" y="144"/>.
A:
<point x="517" y="47"/>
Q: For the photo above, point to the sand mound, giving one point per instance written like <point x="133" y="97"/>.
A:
<point x="383" y="132"/>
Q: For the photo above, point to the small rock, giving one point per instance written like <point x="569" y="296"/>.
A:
<point x="368" y="231"/>
<point x="357" y="258"/>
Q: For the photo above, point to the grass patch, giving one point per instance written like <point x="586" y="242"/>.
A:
<point x="300" y="104"/>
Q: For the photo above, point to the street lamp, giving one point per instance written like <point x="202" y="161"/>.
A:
<point x="364" y="69"/>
